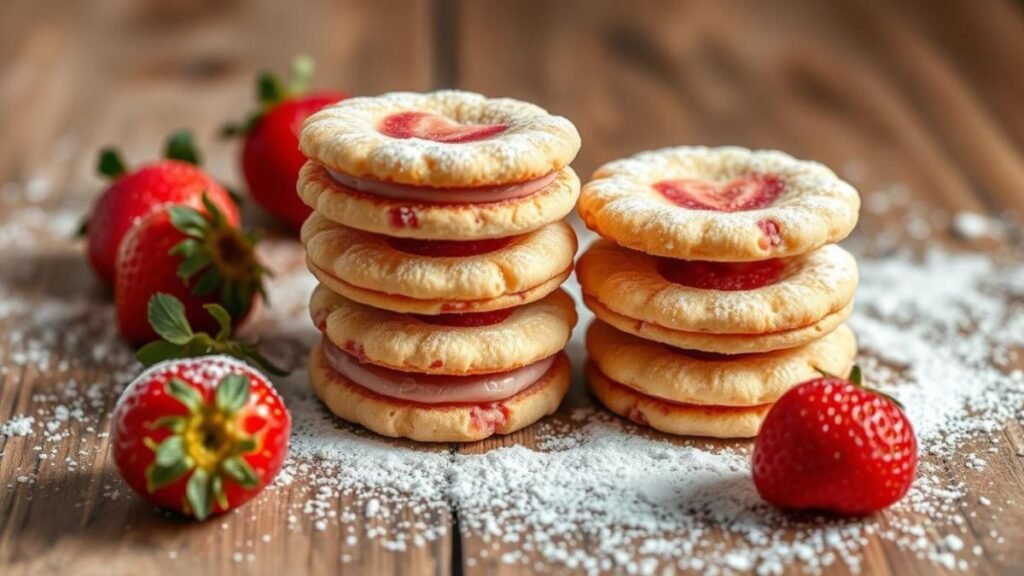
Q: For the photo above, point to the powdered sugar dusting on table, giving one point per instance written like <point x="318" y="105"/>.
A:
<point x="940" y="330"/>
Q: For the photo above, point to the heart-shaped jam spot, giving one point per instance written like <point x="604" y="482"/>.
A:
<point x="729" y="276"/>
<point x="468" y="319"/>
<point x="746" y="193"/>
<point x="428" y="126"/>
<point x="447" y="248"/>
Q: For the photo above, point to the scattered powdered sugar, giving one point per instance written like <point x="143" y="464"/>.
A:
<point x="940" y="330"/>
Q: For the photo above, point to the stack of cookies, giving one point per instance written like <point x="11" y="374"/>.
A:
<point x="717" y="286"/>
<point x="438" y="241"/>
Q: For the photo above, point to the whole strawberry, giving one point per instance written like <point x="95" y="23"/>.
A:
<point x="270" y="156"/>
<point x="197" y="257"/>
<point x="200" y="436"/>
<point x="133" y="195"/>
<point x="830" y="444"/>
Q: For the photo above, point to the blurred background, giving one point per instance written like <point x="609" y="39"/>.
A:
<point x="912" y="100"/>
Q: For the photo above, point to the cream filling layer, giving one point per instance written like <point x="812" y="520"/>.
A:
<point x="434" y="388"/>
<point x="479" y="195"/>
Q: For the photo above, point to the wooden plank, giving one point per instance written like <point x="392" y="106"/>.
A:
<point x="864" y="87"/>
<point x="75" y="78"/>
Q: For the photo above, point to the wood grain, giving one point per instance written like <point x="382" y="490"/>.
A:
<point x="918" y="94"/>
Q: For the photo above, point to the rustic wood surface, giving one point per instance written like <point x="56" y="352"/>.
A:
<point x="918" y="93"/>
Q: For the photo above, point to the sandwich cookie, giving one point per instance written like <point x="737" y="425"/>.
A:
<point x="725" y="308"/>
<point x="447" y="165"/>
<point x="447" y="344"/>
<point x="726" y="204"/>
<point x="437" y="408"/>
<point x="699" y="394"/>
<point x="436" y="277"/>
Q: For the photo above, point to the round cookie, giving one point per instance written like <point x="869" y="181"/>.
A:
<point x="404" y="342"/>
<point x="443" y="139"/>
<point x="726" y="204"/>
<point x="773" y="296"/>
<point x="687" y="377"/>
<point x="721" y="343"/>
<point x="672" y="418"/>
<point x="412" y="269"/>
<point x="435" y="220"/>
<point x="437" y="423"/>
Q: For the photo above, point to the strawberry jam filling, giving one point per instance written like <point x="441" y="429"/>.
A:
<point x="429" y="195"/>
<point x="434" y="388"/>
<point x="467" y="319"/>
<point x="729" y="276"/>
<point x="746" y="193"/>
<point x="436" y="128"/>
<point x="448" y="248"/>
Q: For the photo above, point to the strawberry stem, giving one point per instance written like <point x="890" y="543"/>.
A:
<point x="181" y="146"/>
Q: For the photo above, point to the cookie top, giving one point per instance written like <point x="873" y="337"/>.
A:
<point x="439" y="270"/>
<point x="725" y="204"/>
<point x="448" y="344"/>
<point x="715" y="297"/>
<point x="443" y="139"/>
<point x="688" y="377"/>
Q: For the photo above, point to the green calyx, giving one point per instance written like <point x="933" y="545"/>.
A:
<point x="856" y="378"/>
<point x="167" y="317"/>
<point x="180" y="146"/>
<point x="208" y="442"/>
<point x="271" y="91"/>
<point x="221" y="258"/>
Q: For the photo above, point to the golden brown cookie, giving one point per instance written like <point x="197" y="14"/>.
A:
<point x="761" y="297"/>
<point x="721" y="343"/>
<point x="437" y="423"/>
<point x="726" y="204"/>
<point x="443" y="139"/>
<point x="518" y="337"/>
<point x="673" y="418"/>
<point x="439" y="271"/>
<point x="688" y="377"/>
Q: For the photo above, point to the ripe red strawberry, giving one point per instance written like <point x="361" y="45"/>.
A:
<point x="200" y="436"/>
<point x="131" y="196"/>
<point x="198" y="258"/>
<point x="270" y="156"/>
<point x="831" y="444"/>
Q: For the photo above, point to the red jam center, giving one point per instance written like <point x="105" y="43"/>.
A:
<point x="447" y="248"/>
<point x="730" y="276"/>
<point x="747" y="193"/>
<point x="428" y="126"/>
<point x="469" y="319"/>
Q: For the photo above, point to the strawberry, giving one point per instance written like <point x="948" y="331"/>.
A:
<point x="198" y="436"/>
<point x="270" y="156"/>
<point x="831" y="444"/>
<point x="198" y="257"/>
<point x="131" y="196"/>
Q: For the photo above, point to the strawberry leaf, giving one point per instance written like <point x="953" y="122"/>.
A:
<point x="188" y="220"/>
<point x="269" y="90"/>
<point x="223" y="321"/>
<point x="856" y="376"/>
<point x="158" y="476"/>
<point x="110" y="164"/>
<point x="158" y="351"/>
<point x="167" y="316"/>
<point x="170" y="451"/>
<point x="176" y="424"/>
<point x="180" y="146"/>
<point x="185" y="394"/>
<point x="217" y="490"/>
<point x="239" y="470"/>
<point x="197" y="493"/>
<point x="232" y="393"/>
<point x="302" y="73"/>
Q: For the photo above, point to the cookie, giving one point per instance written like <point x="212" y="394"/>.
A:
<point x="439" y="271"/>
<point x="673" y="418"/>
<point x="444" y="139"/>
<point x="688" y="377"/>
<point x="454" y="422"/>
<point x="721" y="343"/>
<point x="454" y="345"/>
<point x="726" y="204"/>
<point x="754" y="298"/>
<point x="437" y="220"/>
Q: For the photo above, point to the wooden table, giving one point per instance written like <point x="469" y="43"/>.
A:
<point x="928" y="95"/>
